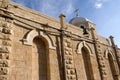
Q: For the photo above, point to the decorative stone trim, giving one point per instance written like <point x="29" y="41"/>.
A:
<point x="69" y="62"/>
<point x="118" y="54"/>
<point x="5" y="48"/>
<point x="108" y="51"/>
<point x="81" y="45"/>
<point x="28" y="40"/>
<point x="101" y="63"/>
<point x="3" y="77"/>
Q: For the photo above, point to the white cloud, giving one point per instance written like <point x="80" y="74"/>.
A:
<point x="48" y="8"/>
<point x="51" y="8"/>
<point x="55" y="8"/>
<point x="99" y="0"/>
<point x="68" y="9"/>
<point x="98" y="5"/>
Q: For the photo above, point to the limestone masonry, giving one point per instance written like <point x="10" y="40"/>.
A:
<point x="34" y="46"/>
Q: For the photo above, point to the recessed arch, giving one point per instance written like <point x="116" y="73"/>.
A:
<point x="81" y="45"/>
<point x="28" y="40"/>
<point x="40" y="59"/>
<point x="108" y="51"/>
<point x="112" y="63"/>
<point x="87" y="63"/>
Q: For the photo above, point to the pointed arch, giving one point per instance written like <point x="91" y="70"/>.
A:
<point x="108" y="51"/>
<point x="32" y="34"/>
<point x="112" y="65"/>
<point x="81" y="45"/>
<point x="40" y="59"/>
<point x="87" y="63"/>
<point x="84" y="49"/>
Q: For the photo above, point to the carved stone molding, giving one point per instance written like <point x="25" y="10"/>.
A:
<point x="4" y="50"/>
<point x="7" y="37"/>
<point x="69" y="62"/>
<point x="4" y="56"/>
<point x="81" y="45"/>
<point x="3" y="71"/>
<point x="6" y="43"/>
<point x="5" y="28"/>
<point x="3" y="63"/>
<point x="101" y="63"/>
<point x="2" y="77"/>
<point x="28" y="40"/>
<point x="108" y="51"/>
<point x="6" y="31"/>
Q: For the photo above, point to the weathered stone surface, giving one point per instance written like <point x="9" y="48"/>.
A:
<point x="33" y="46"/>
<point x="4" y="3"/>
<point x="3" y="63"/>
<point x="3" y="77"/>
<point x="3" y="71"/>
<point x="4" y="50"/>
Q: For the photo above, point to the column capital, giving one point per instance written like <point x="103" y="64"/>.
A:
<point x="62" y="16"/>
<point x="62" y="20"/>
<point x="112" y="40"/>
<point x="111" y="37"/>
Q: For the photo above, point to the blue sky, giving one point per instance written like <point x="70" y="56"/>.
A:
<point x="104" y="13"/>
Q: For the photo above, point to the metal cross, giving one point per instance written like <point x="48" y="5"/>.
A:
<point x="76" y="12"/>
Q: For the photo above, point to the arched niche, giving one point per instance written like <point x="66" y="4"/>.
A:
<point x="87" y="63"/>
<point x="108" y="51"/>
<point x="81" y="45"/>
<point x="112" y="64"/>
<point x="28" y="40"/>
<point x="40" y="59"/>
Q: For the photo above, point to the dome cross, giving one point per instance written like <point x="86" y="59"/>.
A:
<point x="76" y="12"/>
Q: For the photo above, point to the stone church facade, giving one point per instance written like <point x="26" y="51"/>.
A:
<point x="34" y="46"/>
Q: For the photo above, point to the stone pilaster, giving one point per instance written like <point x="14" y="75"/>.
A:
<point x="100" y="59"/>
<point x="117" y="56"/>
<point x="5" y="48"/>
<point x="101" y="62"/>
<point x="66" y="45"/>
<point x="69" y="62"/>
<point x="62" y="21"/>
<point x="112" y="40"/>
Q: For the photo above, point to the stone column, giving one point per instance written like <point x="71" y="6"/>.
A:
<point x="67" y="54"/>
<point x="100" y="59"/>
<point x="62" y="20"/>
<point x="117" y="56"/>
<point x="112" y="40"/>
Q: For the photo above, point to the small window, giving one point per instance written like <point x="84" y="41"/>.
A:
<point x="85" y="30"/>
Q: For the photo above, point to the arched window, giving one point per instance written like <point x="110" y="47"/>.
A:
<point x="112" y="66"/>
<point x="40" y="60"/>
<point x="85" y="30"/>
<point x="87" y="63"/>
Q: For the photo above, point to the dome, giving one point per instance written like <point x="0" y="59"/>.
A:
<point x="77" y="20"/>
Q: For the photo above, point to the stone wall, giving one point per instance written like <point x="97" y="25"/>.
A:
<point x="64" y="56"/>
<point x="6" y="39"/>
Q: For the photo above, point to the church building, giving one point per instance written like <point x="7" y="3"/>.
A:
<point x="34" y="46"/>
